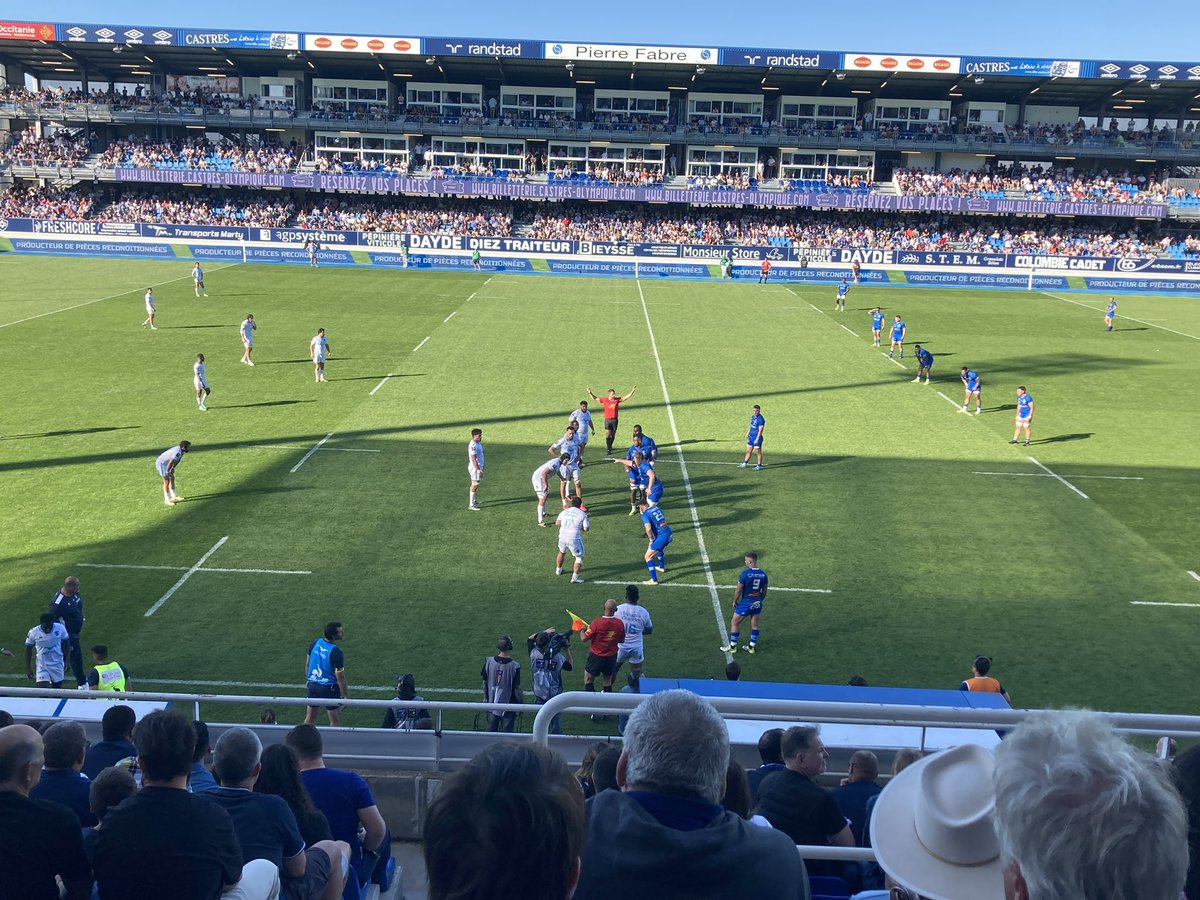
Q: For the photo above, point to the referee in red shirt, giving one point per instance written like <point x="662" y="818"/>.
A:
<point x="612" y="404"/>
<point x="603" y="634"/>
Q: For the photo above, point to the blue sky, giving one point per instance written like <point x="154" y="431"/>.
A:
<point x="1017" y="28"/>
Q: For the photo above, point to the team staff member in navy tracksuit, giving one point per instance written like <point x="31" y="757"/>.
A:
<point x="327" y="674"/>
<point x="67" y="607"/>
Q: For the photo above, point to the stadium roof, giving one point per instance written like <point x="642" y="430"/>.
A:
<point x="63" y="51"/>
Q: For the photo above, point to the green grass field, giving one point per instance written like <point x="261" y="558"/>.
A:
<point x="870" y="492"/>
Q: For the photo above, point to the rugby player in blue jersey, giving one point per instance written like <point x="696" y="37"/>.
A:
<point x="1024" y="415"/>
<point x="877" y="318"/>
<point x="972" y="385"/>
<point x="748" y="599"/>
<point x="659" y="533"/>
<point x="924" y="363"/>
<point x="840" y="306"/>
<point x="898" y="332"/>
<point x="754" y="438"/>
<point x="1111" y="313"/>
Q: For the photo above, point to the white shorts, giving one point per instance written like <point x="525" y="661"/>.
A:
<point x="319" y="360"/>
<point x="247" y="342"/>
<point x="573" y="472"/>
<point x="53" y="676"/>
<point x="162" y="469"/>
<point x="631" y="655"/>
<point x="1025" y="422"/>
<point x="200" y="385"/>
<point x="149" y="310"/>
<point x="476" y="474"/>
<point x="575" y="548"/>
<point x="541" y="488"/>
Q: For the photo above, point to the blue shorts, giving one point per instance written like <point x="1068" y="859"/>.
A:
<point x="757" y="442"/>
<point x="748" y="607"/>
<point x="656" y="493"/>
<point x="660" y="542"/>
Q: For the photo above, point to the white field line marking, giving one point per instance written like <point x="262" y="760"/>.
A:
<point x="294" y="469"/>
<point x="449" y="317"/>
<point x="1060" y="478"/>
<point x="1151" y="603"/>
<point x="472" y="297"/>
<point x="687" y="484"/>
<point x="956" y="406"/>
<point x="891" y="360"/>
<point x="300" y="447"/>
<point x="420" y="345"/>
<point x="1194" y="574"/>
<point x="817" y="308"/>
<point x="486" y="283"/>
<point x="1052" y="475"/>
<point x="723" y="587"/>
<point x="844" y="328"/>
<point x="183" y="579"/>
<point x="1121" y="316"/>
<point x="109" y="297"/>
<point x="201" y="569"/>
<point x="270" y="684"/>
<point x="382" y="382"/>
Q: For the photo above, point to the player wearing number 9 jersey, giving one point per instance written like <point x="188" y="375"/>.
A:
<point x="748" y="599"/>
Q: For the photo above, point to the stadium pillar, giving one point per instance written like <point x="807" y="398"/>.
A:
<point x="1021" y="112"/>
<point x="12" y="75"/>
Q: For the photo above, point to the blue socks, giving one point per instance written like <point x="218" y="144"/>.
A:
<point x="753" y="635"/>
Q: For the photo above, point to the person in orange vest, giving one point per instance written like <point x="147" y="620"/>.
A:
<point x="980" y="681"/>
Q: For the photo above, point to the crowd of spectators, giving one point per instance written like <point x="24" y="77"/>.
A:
<point x="1033" y="183"/>
<point x="200" y="98"/>
<point x="202" y="153"/>
<point x="62" y="148"/>
<point x="806" y="229"/>
<point x="413" y="215"/>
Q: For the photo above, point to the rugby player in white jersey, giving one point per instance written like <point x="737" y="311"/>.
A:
<point x="583" y="427"/>
<point x="248" y="327"/>
<point x="541" y="483"/>
<point x="200" y="382"/>
<point x="150" y="309"/>
<point x="572" y="522"/>
<point x="637" y="624"/>
<point x="166" y="464"/>
<point x="475" y="467"/>
<point x="318" y="347"/>
<point x="569" y="443"/>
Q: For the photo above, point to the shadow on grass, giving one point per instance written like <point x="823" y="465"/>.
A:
<point x="241" y="492"/>
<point x="263" y="403"/>
<point x="1062" y="438"/>
<point x="379" y="377"/>
<point x="284" y="362"/>
<point x="168" y="327"/>
<point x="67" y="432"/>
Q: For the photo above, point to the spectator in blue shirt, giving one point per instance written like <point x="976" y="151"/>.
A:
<point x="117" y="728"/>
<point x="201" y="781"/>
<point x="65" y="745"/>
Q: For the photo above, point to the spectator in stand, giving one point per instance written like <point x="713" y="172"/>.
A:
<point x="584" y="773"/>
<point x="932" y="830"/>
<point x="40" y="841"/>
<point x="280" y="775"/>
<point x="856" y="790"/>
<point x="110" y="789"/>
<point x="508" y="824"/>
<point x="167" y="842"/>
<point x="1186" y="773"/>
<point x="266" y="827"/>
<point x="116" y="729"/>
<point x="665" y="834"/>
<point x="1079" y="812"/>
<point x="733" y="671"/>
<point x="201" y="780"/>
<point x="770" y="751"/>
<point x="6" y="718"/>
<point x="792" y="801"/>
<point x="603" y="775"/>
<point x="64" y="746"/>
<point x="343" y="797"/>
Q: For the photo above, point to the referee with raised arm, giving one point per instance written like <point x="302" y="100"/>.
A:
<point x="327" y="675"/>
<point x="612" y="405"/>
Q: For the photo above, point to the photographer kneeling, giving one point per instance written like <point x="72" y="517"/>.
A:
<point x="549" y="657"/>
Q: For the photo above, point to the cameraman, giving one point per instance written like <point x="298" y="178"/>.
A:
<point x="410" y="714"/>
<point x="549" y="657"/>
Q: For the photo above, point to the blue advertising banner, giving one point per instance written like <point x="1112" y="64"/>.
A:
<point x="779" y="59"/>
<point x="989" y="279"/>
<point x="381" y="184"/>
<point x="1121" y="70"/>
<point x="258" y="40"/>
<point x="71" y="246"/>
<point x="1035" y="68"/>
<point x="1139" y="285"/>
<point x="457" y="46"/>
<point x="117" y="34"/>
